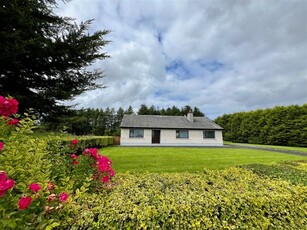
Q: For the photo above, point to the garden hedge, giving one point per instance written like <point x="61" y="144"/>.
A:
<point x="84" y="141"/>
<point x="229" y="199"/>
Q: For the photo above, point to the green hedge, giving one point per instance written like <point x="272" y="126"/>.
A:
<point x="85" y="141"/>
<point x="281" y="125"/>
<point x="229" y="199"/>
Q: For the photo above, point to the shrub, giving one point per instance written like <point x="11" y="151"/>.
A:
<point x="36" y="188"/>
<point x="83" y="141"/>
<point x="228" y="199"/>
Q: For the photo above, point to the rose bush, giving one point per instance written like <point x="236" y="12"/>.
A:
<point x="39" y="182"/>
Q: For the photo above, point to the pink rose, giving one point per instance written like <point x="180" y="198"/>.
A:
<point x="1" y="145"/>
<point x="13" y="122"/>
<point x="91" y="152"/>
<point x="51" y="197"/>
<point x="73" y="156"/>
<point x="111" y="172"/>
<point x="5" y="183"/>
<point x="8" y="184"/>
<point x="63" y="197"/>
<point x="34" y="187"/>
<point x="24" y="202"/>
<point x="50" y="185"/>
<point x="3" y="176"/>
<point x="48" y="209"/>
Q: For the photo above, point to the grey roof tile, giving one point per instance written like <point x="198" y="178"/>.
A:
<point x="167" y="122"/>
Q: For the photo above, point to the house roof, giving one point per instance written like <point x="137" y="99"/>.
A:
<point x="167" y="122"/>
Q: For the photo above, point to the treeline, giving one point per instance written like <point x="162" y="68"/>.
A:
<point x="281" y="125"/>
<point x="170" y="111"/>
<point x="107" y="121"/>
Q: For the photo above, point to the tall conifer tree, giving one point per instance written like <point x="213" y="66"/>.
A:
<point x="44" y="57"/>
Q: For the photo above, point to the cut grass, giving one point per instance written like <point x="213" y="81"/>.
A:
<point x="299" y="149"/>
<point x="167" y="159"/>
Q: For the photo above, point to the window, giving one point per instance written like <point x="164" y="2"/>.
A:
<point x="136" y="133"/>
<point x="209" y="134"/>
<point x="182" y="133"/>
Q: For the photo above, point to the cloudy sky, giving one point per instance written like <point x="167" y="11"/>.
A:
<point x="222" y="56"/>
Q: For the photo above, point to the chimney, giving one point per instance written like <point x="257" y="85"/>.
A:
<point x="190" y="116"/>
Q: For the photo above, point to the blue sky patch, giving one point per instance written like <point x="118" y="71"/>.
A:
<point x="179" y="68"/>
<point x="211" y="66"/>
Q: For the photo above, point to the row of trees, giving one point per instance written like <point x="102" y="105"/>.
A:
<point x="277" y="126"/>
<point x="107" y="121"/>
<point x="170" y="111"/>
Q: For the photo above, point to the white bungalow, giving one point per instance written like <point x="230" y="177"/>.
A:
<point x="155" y="130"/>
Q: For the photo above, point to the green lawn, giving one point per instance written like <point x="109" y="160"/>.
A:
<point x="167" y="159"/>
<point x="300" y="149"/>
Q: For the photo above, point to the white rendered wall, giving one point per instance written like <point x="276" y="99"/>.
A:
<point x="126" y="140"/>
<point x="168" y="138"/>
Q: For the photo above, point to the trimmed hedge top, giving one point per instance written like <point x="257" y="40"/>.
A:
<point x="229" y="199"/>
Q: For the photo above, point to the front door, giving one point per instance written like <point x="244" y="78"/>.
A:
<point x="155" y="136"/>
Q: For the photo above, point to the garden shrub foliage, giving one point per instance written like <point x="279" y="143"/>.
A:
<point x="37" y="189"/>
<point x="233" y="198"/>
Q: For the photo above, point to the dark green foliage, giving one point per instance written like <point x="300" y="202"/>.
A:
<point x="91" y="122"/>
<point x="284" y="171"/>
<point x="170" y="111"/>
<point x="276" y="126"/>
<point x="43" y="56"/>
<point x="83" y="142"/>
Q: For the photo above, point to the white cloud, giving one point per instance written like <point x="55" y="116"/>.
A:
<point x="233" y="55"/>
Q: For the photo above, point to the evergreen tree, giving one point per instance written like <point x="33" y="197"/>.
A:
<point x="129" y="110"/>
<point x="281" y="125"/>
<point x="197" y="112"/>
<point x="143" y="110"/>
<point x="43" y="56"/>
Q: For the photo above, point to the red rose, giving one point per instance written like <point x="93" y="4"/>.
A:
<point x="13" y="122"/>
<point x="63" y="197"/>
<point x="1" y="145"/>
<point x="2" y="193"/>
<point x="105" y="179"/>
<point x="74" y="142"/>
<point x="75" y="162"/>
<point x="24" y="202"/>
<point x="34" y="187"/>
<point x="8" y="106"/>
